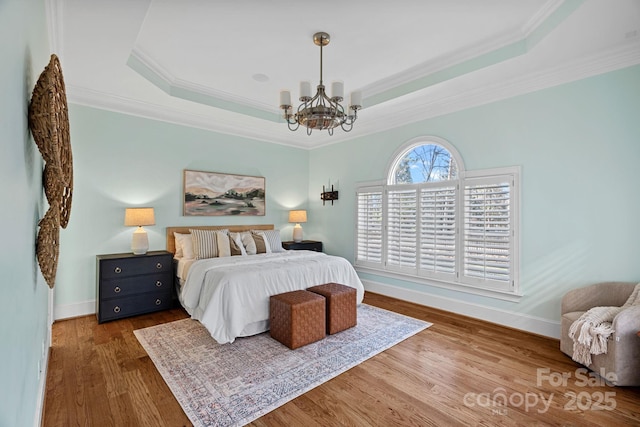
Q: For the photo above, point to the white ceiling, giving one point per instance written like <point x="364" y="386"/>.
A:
<point x="220" y="64"/>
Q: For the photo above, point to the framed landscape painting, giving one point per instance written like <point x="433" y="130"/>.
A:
<point x="214" y="194"/>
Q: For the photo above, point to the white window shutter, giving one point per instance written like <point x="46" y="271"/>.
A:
<point x="488" y="242"/>
<point x="369" y="226"/>
<point x="402" y="227"/>
<point x="438" y="230"/>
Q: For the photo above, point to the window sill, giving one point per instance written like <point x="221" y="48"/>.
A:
<point x="455" y="286"/>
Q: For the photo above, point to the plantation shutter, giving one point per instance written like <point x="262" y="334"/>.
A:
<point x="438" y="230"/>
<point x="369" y="226"/>
<point x="488" y="241"/>
<point x="402" y="227"/>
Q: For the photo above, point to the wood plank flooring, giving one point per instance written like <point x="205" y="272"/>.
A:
<point x="457" y="372"/>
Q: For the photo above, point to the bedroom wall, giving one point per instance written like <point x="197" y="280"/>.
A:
<point x="578" y="148"/>
<point x="122" y="161"/>
<point x="24" y="334"/>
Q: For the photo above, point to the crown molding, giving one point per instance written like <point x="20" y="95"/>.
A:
<point x="498" y="50"/>
<point x="414" y="108"/>
<point x="150" y="69"/>
<point x="541" y="16"/>
<point x="228" y="126"/>
<point x="421" y="107"/>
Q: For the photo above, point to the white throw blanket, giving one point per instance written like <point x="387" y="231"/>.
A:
<point x="591" y="331"/>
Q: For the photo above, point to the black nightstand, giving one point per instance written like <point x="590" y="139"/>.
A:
<point x="306" y="245"/>
<point x="129" y="284"/>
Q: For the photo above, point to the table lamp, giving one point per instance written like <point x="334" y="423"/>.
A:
<point x="137" y="217"/>
<point x="297" y="217"/>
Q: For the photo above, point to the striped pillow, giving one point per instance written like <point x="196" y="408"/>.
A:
<point x="272" y="237"/>
<point x="204" y="243"/>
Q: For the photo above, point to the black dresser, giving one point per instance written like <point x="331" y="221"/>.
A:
<point x="129" y="284"/>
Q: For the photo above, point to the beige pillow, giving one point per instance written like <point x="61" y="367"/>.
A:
<point x="184" y="245"/>
<point x="261" y="246"/>
<point x="224" y="248"/>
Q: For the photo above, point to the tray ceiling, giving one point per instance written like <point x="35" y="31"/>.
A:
<point x="220" y="64"/>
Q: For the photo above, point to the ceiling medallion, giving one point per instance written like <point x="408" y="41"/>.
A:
<point x="321" y="111"/>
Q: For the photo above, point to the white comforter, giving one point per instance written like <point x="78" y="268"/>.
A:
<point x="230" y="295"/>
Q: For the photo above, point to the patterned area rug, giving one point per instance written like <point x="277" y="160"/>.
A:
<point x="233" y="384"/>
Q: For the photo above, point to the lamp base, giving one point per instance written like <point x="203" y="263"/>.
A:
<point x="140" y="242"/>
<point x="297" y="233"/>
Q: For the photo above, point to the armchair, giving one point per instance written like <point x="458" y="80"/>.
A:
<point x="623" y="349"/>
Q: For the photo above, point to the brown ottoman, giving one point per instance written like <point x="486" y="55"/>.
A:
<point x="297" y="318"/>
<point x="341" y="306"/>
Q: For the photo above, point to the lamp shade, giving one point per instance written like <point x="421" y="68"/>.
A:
<point x="298" y="216"/>
<point x="134" y="217"/>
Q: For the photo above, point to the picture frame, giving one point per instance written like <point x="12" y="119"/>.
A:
<point x="222" y="194"/>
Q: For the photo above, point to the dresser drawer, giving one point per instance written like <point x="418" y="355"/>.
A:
<point x="117" y="308"/>
<point x="135" y="285"/>
<point x="115" y="268"/>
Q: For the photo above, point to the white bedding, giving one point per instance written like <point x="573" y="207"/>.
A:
<point x="230" y="295"/>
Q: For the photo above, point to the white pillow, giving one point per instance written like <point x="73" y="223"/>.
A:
<point x="248" y="243"/>
<point x="237" y="238"/>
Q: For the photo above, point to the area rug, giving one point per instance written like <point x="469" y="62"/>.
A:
<point x="234" y="384"/>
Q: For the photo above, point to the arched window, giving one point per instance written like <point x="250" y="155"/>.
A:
<point x="439" y="223"/>
<point x="426" y="159"/>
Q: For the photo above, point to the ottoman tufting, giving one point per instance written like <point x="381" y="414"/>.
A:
<point x="297" y="318"/>
<point x="341" y="306"/>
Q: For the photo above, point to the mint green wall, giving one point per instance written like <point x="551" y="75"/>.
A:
<point x="23" y="318"/>
<point x="579" y="148"/>
<point x="122" y="161"/>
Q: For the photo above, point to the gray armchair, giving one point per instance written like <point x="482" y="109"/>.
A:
<point x="623" y="348"/>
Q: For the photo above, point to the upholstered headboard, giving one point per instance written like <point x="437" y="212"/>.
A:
<point x="171" y="242"/>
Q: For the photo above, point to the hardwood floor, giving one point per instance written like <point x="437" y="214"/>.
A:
<point x="449" y="374"/>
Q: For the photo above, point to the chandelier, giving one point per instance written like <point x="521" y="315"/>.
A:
<point x="321" y="111"/>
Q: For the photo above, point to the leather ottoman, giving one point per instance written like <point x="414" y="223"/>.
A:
<point x="341" y="306"/>
<point x="297" y="318"/>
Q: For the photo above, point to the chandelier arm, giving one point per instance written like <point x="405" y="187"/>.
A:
<point x="291" y="128"/>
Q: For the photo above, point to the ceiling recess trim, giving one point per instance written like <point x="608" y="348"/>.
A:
<point x="498" y="50"/>
<point x="149" y="69"/>
<point x="413" y="111"/>
<point x="476" y="57"/>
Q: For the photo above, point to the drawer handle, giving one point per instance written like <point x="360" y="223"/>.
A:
<point x="118" y="270"/>
<point x="159" y="265"/>
<point x="159" y="283"/>
<point x="158" y="302"/>
<point x="117" y="289"/>
<point x="116" y="309"/>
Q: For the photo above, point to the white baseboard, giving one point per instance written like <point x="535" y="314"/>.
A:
<point x="77" y="309"/>
<point x="42" y="386"/>
<point x="536" y="325"/>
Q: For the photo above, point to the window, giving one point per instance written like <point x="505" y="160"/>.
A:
<point x="436" y="222"/>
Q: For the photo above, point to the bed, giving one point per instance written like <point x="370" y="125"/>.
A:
<point x="229" y="295"/>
